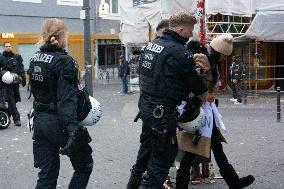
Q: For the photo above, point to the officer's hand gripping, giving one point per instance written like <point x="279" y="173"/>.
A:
<point x="70" y="146"/>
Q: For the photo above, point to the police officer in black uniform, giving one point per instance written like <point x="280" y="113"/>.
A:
<point x="167" y="76"/>
<point x="9" y="61"/>
<point x="54" y="79"/>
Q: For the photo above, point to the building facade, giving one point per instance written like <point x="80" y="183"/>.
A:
<point x="21" y="22"/>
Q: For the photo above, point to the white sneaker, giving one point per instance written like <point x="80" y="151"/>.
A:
<point x="233" y="99"/>
<point x="236" y="102"/>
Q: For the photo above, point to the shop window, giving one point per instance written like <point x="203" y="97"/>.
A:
<point x="27" y="51"/>
<point x="108" y="55"/>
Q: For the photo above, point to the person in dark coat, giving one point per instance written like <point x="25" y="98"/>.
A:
<point x="237" y="72"/>
<point x="123" y="73"/>
<point x="12" y="62"/>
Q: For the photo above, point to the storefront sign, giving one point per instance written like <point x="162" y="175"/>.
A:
<point x="7" y="35"/>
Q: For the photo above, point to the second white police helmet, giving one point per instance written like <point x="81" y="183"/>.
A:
<point x="195" y="124"/>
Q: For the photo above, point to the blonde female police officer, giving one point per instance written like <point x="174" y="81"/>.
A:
<point x="53" y="78"/>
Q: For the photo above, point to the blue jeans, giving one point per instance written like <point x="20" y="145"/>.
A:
<point x="124" y="87"/>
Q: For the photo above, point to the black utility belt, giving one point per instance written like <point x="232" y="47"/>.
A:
<point x="51" y="107"/>
<point x="160" y="111"/>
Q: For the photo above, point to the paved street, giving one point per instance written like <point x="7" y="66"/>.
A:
<point x="255" y="144"/>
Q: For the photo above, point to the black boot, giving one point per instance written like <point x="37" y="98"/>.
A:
<point x="135" y="179"/>
<point x="233" y="180"/>
<point x="246" y="181"/>
<point x="182" y="179"/>
<point x="142" y="187"/>
<point x="183" y="173"/>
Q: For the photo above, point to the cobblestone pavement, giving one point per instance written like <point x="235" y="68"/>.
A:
<point x="255" y="144"/>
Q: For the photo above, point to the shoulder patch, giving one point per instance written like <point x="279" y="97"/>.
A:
<point x="155" y="47"/>
<point x="75" y="64"/>
<point x="188" y="54"/>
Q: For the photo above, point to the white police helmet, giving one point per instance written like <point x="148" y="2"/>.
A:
<point x="195" y="124"/>
<point x="8" y="78"/>
<point x="94" y="115"/>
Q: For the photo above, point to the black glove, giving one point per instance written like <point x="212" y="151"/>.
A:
<point x="24" y="82"/>
<point x="70" y="146"/>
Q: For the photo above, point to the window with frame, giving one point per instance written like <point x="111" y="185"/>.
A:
<point x="113" y="6"/>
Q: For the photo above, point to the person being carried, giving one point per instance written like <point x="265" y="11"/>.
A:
<point x="219" y="47"/>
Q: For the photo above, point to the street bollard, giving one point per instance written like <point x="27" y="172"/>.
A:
<point x="278" y="105"/>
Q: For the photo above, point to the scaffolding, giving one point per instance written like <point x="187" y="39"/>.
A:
<point x="219" y="24"/>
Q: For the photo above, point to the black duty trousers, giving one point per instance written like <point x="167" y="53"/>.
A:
<point x="48" y="138"/>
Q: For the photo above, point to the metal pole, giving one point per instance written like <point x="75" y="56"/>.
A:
<point x="96" y="41"/>
<point x="87" y="48"/>
<point x="278" y="105"/>
<point x="245" y="90"/>
<point x="256" y="66"/>
<point x="249" y="70"/>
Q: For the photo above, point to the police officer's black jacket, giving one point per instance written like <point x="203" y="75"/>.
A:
<point x="167" y="70"/>
<point x="54" y="78"/>
<point x="12" y="62"/>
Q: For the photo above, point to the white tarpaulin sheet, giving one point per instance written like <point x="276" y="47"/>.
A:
<point x="162" y="9"/>
<point x="134" y="21"/>
<point x="230" y="7"/>
<point x="134" y="27"/>
<point x="267" y="26"/>
<point x="152" y="13"/>
<point x="269" y="5"/>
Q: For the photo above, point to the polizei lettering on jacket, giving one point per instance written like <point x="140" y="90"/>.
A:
<point x="155" y="48"/>
<point x="40" y="57"/>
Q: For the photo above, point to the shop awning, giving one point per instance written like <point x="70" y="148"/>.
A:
<point x="267" y="26"/>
